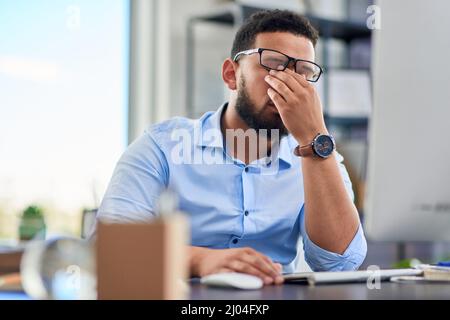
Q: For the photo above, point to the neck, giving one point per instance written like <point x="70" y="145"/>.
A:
<point x="231" y="119"/>
<point x="241" y="146"/>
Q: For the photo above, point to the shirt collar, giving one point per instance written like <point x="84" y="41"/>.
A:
<point x="211" y="123"/>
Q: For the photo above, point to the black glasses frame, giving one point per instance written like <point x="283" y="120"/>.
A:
<point x="290" y="59"/>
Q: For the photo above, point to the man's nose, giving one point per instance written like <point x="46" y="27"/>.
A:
<point x="291" y="65"/>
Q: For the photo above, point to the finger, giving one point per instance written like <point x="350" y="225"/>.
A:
<point x="275" y="266"/>
<point x="300" y="78"/>
<point x="258" y="262"/>
<point x="279" y="268"/>
<point x="265" y="259"/>
<point x="224" y="270"/>
<point x="279" y="279"/>
<point x="279" y="86"/>
<point x="288" y="78"/>
<point x="277" y="99"/>
<point x="240" y="266"/>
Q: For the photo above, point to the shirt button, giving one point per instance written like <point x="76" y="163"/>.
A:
<point x="246" y="212"/>
<point x="235" y="241"/>
<point x="246" y="169"/>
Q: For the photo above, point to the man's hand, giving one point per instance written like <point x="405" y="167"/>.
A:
<point x="298" y="103"/>
<point x="205" y="261"/>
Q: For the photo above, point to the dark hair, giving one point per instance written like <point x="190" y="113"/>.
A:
<point x="272" y="21"/>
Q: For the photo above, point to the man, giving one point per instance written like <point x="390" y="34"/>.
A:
<point x="248" y="212"/>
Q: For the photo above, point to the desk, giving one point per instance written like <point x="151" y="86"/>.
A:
<point x="349" y="291"/>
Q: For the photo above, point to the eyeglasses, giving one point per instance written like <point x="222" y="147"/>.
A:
<point x="274" y="60"/>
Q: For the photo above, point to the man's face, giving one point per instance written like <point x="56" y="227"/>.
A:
<point x="253" y="104"/>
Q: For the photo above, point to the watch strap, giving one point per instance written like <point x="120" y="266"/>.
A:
<point x="304" y="151"/>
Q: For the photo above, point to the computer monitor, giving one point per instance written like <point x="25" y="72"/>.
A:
<point x="408" y="186"/>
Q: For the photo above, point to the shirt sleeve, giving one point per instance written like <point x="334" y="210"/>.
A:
<point x="140" y="176"/>
<point x="320" y="259"/>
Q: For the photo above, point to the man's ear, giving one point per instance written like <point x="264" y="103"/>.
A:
<point x="229" y="74"/>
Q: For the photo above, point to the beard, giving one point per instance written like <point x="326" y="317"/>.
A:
<point x="263" y="118"/>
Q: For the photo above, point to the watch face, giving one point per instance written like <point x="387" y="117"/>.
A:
<point x="324" y="146"/>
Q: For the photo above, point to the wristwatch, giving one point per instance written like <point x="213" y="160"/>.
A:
<point x="322" y="146"/>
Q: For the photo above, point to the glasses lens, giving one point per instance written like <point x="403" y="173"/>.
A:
<point x="308" y="69"/>
<point x="272" y="59"/>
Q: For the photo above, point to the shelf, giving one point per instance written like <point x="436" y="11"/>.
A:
<point x="346" y="121"/>
<point x="345" y="30"/>
<point x="235" y="14"/>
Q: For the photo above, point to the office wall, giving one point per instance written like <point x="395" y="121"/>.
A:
<point x="158" y="59"/>
<point x="210" y="51"/>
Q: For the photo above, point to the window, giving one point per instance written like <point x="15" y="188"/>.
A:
<point x="63" y="106"/>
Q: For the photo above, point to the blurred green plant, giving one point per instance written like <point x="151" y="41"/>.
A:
<point x="32" y="224"/>
<point x="406" y="263"/>
<point x="411" y="263"/>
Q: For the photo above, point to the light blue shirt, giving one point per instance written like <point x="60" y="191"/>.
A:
<point x="230" y="205"/>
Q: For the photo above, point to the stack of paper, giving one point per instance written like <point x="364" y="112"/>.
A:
<point x="437" y="273"/>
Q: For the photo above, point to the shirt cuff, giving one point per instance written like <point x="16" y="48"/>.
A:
<point x="320" y="259"/>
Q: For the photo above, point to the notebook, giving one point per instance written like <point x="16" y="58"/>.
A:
<point x="348" y="276"/>
<point x="435" y="272"/>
